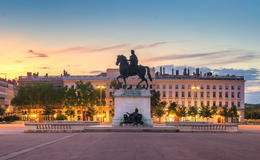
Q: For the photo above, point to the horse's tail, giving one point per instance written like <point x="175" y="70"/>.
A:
<point x="149" y="74"/>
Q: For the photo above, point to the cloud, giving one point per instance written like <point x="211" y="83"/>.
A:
<point x="122" y="47"/>
<point x="18" y="61"/>
<point x="149" y="45"/>
<point x="74" y="49"/>
<point x="252" y="97"/>
<point x="44" y="67"/>
<point x="231" y="60"/>
<point x="96" y="72"/>
<point x="37" y="54"/>
<point x="220" y="57"/>
<point x="186" y="56"/>
<point x="86" y="49"/>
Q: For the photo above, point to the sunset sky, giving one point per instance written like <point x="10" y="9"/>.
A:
<point x="84" y="37"/>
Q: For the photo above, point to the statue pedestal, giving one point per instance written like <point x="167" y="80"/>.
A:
<point x="128" y="100"/>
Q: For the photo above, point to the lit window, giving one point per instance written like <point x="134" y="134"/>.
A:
<point x="195" y="94"/>
<point x="220" y="94"/>
<point x="238" y="95"/>
<point x="164" y="94"/>
<point x="232" y="94"/>
<point x="226" y="87"/>
<point x="170" y="93"/>
<point x="226" y="104"/>
<point x="164" y="87"/>
<point x="226" y="94"/>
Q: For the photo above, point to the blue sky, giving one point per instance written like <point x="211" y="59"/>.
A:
<point x="83" y="36"/>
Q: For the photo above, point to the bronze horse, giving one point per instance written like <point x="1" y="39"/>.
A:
<point x="125" y="71"/>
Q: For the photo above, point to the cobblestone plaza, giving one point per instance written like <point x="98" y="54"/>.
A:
<point x="153" y="146"/>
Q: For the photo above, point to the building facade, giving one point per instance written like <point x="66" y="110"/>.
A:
<point x="8" y="90"/>
<point x="186" y="90"/>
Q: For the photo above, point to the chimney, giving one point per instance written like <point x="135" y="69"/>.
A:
<point x="185" y="71"/>
<point x="197" y="71"/>
<point x="29" y="74"/>
<point x="160" y="70"/>
<point x="172" y="71"/>
<point x="188" y="71"/>
<point x="163" y="71"/>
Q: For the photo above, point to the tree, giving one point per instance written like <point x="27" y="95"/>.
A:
<point x="205" y="112"/>
<point x="193" y="112"/>
<point x="224" y="112"/>
<point x="159" y="110"/>
<point x="155" y="100"/>
<point x="2" y="111"/>
<point x="90" y="113"/>
<point x="252" y="111"/>
<point x="87" y="96"/>
<point x="70" y="113"/>
<point x="116" y="85"/>
<point x="157" y="106"/>
<point x="214" y="110"/>
<point x="36" y="95"/>
<point x="61" y="117"/>
<point x="172" y="108"/>
<point x="233" y="113"/>
<point x="181" y="112"/>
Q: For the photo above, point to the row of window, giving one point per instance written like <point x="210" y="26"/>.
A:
<point x="208" y="103"/>
<point x="200" y="87"/>
<point x="208" y="94"/>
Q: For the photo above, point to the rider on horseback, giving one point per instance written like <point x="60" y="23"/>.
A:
<point x="133" y="63"/>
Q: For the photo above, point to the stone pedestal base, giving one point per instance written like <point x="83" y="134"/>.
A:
<point x="128" y="100"/>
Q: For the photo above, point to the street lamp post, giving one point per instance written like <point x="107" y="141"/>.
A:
<point x="101" y="107"/>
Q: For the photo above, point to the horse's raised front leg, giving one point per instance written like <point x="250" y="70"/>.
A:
<point x="117" y="78"/>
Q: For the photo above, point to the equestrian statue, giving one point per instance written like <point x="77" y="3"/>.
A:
<point x="127" y="69"/>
